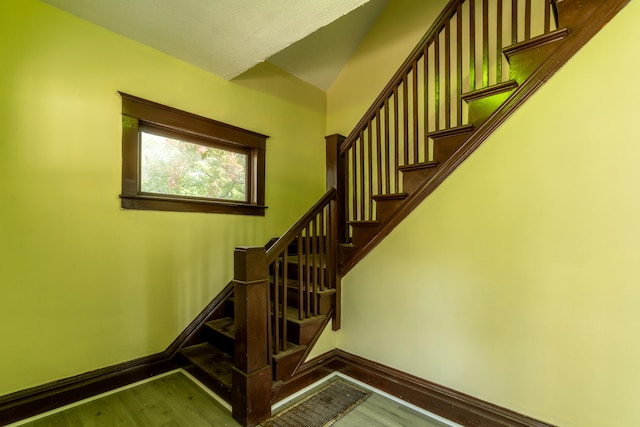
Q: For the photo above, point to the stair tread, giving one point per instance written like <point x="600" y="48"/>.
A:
<point x="450" y="131"/>
<point x="291" y="349"/>
<point x="391" y="196"/>
<point x="224" y="325"/>
<point x="364" y="223"/>
<point x="417" y="166"/>
<point x="211" y="360"/>
<point x="292" y="316"/>
<point x="490" y="90"/>
<point x="534" y="42"/>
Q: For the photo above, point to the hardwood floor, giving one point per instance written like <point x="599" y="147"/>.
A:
<point x="175" y="400"/>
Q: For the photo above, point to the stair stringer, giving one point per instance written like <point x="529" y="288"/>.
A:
<point x="580" y="32"/>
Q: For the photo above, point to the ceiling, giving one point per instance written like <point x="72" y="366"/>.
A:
<point x="311" y="39"/>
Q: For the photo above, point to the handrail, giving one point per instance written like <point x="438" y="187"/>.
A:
<point x="430" y="93"/>
<point x="435" y="28"/>
<point x="287" y="238"/>
<point x="310" y="272"/>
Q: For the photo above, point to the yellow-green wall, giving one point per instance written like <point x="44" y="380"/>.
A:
<point x="517" y="280"/>
<point x="84" y="284"/>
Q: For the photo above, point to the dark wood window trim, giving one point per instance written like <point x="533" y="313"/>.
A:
<point x="138" y="113"/>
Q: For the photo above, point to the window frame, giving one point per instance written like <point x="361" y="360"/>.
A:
<point x="138" y="114"/>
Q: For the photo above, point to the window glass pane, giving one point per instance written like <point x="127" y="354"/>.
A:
<point x="171" y="166"/>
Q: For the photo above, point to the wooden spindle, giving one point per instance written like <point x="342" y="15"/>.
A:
<point x="285" y="288"/>
<point x="447" y="73"/>
<point x="361" y="182"/>
<point x="314" y="265"/>
<point x="547" y="16"/>
<point x="499" y="42"/>
<point x="322" y="250"/>
<point x="300" y="281"/>
<point x="396" y="135"/>
<point x="276" y="305"/>
<point x="514" y="21"/>
<point x="425" y="55"/>
<point x="485" y="43"/>
<point x="414" y="105"/>
<point x="307" y="278"/>
<point x="369" y="170"/>
<point x="436" y="80"/>
<point x="459" y="63"/>
<point x="527" y="19"/>
<point x="405" y="118"/>
<point x="378" y="152"/>
<point x="472" y="45"/>
<point x="386" y="146"/>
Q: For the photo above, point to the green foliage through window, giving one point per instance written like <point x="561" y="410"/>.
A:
<point x="172" y="166"/>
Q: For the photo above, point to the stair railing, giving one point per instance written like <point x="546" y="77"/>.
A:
<point x="309" y="247"/>
<point x="462" y="53"/>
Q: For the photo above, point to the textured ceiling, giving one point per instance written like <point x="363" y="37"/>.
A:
<point x="228" y="37"/>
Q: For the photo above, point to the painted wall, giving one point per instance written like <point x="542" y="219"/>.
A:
<point x="517" y="280"/>
<point x="85" y="284"/>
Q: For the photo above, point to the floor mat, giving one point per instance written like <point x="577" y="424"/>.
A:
<point x="322" y="408"/>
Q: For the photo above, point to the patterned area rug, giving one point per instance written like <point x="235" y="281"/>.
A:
<point x="322" y="408"/>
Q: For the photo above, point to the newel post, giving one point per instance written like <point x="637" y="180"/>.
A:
<point x="338" y="223"/>
<point x="251" y="376"/>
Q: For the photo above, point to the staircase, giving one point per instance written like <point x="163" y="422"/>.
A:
<point x="459" y="84"/>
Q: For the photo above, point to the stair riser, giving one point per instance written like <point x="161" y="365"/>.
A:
<point x="412" y="179"/>
<point x="221" y="341"/>
<point x="323" y="305"/>
<point x="386" y="208"/>
<point x="481" y="109"/>
<point x="447" y="145"/>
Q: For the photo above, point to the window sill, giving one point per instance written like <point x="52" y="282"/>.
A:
<point x="160" y="203"/>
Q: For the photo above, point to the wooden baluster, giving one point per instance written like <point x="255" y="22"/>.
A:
<point x="386" y="148"/>
<point x="378" y="152"/>
<point x="369" y="170"/>
<point x="472" y="45"/>
<point x="514" y="21"/>
<point x="285" y="289"/>
<point x="276" y="305"/>
<point x="447" y="74"/>
<point x="414" y="105"/>
<point x="396" y="135"/>
<point x="485" y="43"/>
<point x="459" y="63"/>
<point x="527" y="19"/>
<point x="314" y="266"/>
<point x="251" y="374"/>
<point x="322" y="249"/>
<point x="405" y="118"/>
<point x="361" y="182"/>
<point x="547" y="16"/>
<point x="436" y="79"/>
<point x="354" y="182"/>
<point x="425" y="55"/>
<point x="499" y="42"/>
<point x="307" y="281"/>
<point x="300" y="280"/>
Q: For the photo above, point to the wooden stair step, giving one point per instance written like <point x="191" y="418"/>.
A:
<point x="286" y="361"/>
<point x="211" y="366"/>
<point x="362" y="231"/>
<point x="386" y="204"/>
<point x="222" y="332"/>
<point x="415" y="174"/>
<point x="525" y="57"/>
<point x="447" y="141"/>
<point x="484" y="102"/>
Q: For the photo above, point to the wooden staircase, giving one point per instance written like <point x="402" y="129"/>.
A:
<point x="457" y="86"/>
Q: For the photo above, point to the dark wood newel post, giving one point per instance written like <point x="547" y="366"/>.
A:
<point x="336" y="179"/>
<point x="251" y="376"/>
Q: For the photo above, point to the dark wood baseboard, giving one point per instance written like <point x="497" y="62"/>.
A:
<point x="33" y="401"/>
<point x="445" y="402"/>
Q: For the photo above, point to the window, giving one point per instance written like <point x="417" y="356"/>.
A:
<point x="176" y="161"/>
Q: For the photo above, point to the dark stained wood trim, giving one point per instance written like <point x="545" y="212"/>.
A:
<point x="576" y="38"/>
<point x="36" y="400"/>
<point x="138" y="113"/>
<point x="445" y="402"/>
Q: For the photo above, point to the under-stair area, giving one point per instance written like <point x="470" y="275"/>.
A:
<point x="475" y="65"/>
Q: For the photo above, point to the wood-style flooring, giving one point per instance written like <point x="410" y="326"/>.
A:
<point x="175" y="400"/>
